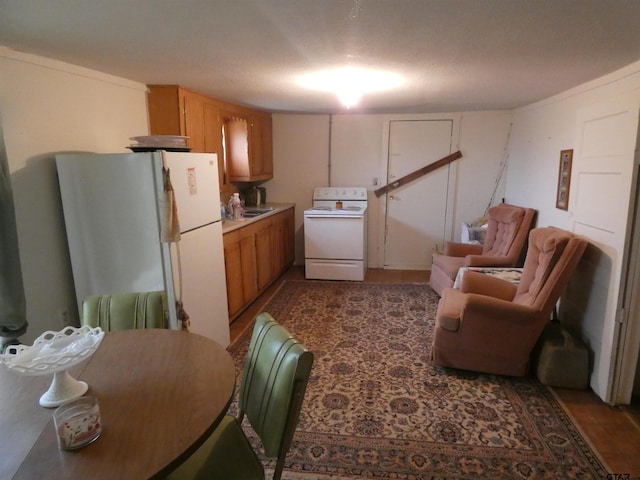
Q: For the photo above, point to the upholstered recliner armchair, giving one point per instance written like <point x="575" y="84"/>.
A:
<point x="508" y="227"/>
<point x="491" y="325"/>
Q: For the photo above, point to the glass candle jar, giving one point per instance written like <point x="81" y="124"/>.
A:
<point x="77" y="423"/>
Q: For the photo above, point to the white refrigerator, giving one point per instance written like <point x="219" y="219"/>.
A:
<point x="112" y="211"/>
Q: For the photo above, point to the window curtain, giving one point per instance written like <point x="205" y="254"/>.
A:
<point x="13" y="319"/>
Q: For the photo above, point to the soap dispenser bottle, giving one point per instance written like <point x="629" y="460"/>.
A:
<point x="236" y="205"/>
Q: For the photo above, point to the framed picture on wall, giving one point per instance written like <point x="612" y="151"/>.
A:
<point x="564" y="179"/>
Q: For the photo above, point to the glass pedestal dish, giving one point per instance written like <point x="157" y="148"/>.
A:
<point x="55" y="353"/>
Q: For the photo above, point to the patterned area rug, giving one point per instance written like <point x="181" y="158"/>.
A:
<point x="376" y="407"/>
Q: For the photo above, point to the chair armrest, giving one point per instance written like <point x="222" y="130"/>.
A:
<point x="479" y="283"/>
<point x="455" y="249"/>
<point x="491" y="325"/>
<point x="487" y="261"/>
<point x="499" y="324"/>
<point x="492" y="322"/>
<point x="499" y="311"/>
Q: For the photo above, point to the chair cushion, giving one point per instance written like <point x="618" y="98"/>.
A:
<point x="225" y="454"/>
<point x="504" y="213"/>
<point x="545" y="246"/>
<point x="504" y="224"/>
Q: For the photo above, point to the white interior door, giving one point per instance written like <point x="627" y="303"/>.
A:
<point x="602" y="182"/>
<point x="416" y="213"/>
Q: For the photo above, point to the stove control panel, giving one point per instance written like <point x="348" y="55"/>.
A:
<point x="340" y="193"/>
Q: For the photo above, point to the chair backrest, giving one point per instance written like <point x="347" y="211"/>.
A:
<point x="507" y="230"/>
<point x="273" y="384"/>
<point x="552" y="256"/>
<point x="124" y="311"/>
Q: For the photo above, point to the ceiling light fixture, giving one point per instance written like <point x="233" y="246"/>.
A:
<point x="351" y="83"/>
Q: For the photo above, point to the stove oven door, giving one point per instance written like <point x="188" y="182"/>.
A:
<point x="335" y="247"/>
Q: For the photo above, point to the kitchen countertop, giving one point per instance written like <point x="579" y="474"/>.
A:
<point x="231" y="225"/>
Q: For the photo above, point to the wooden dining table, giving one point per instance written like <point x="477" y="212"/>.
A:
<point x="161" y="393"/>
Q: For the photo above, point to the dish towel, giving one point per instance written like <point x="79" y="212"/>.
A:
<point x="183" y="317"/>
<point x="169" y="223"/>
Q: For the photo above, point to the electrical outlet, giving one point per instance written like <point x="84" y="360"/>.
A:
<point x="64" y="318"/>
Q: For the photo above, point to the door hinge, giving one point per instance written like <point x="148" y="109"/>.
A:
<point x="621" y="315"/>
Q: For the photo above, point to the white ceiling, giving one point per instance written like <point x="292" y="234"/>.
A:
<point x="456" y="54"/>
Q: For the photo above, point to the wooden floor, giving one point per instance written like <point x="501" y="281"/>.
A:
<point x="613" y="431"/>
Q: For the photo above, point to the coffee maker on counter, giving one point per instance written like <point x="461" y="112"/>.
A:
<point x="254" y="196"/>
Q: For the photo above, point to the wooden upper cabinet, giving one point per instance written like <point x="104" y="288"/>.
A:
<point x="261" y="146"/>
<point x="194" y="128"/>
<point x="175" y="110"/>
<point x="249" y="145"/>
<point x="165" y="116"/>
<point x="236" y="134"/>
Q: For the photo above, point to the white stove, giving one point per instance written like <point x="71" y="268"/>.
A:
<point x="335" y="234"/>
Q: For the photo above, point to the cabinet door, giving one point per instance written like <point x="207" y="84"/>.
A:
<point x="213" y="137"/>
<point x="261" y="147"/>
<point x="249" y="265"/>
<point x="193" y="112"/>
<point x="233" y="272"/>
<point x="264" y="252"/>
<point x="255" y="145"/>
<point x="165" y="106"/>
<point x="278" y="261"/>
<point x="249" y="147"/>
<point x="236" y="130"/>
<point x="266" y="162"/>
<point x="289" y="234"/>
<point x="284" y="241"/>
<point x="240" y="269"/>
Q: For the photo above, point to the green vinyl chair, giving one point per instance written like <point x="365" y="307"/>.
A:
<point x="274" y="381"/>
<point x="124" y="311"/>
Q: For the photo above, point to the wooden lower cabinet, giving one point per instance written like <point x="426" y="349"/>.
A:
<point x="265" y="272"/>
<point x="240" y="263"/>
<point x="255" y="256"/>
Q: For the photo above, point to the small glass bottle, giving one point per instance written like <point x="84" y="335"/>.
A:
<point x="236" y="204"/>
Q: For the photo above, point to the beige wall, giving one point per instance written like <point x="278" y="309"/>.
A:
<point x="540" y="131"/>
<point x="302" y="160"/>
<point x="49" y="107"/>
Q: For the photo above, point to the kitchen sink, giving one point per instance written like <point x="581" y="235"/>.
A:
<point x="256" y="212"/>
